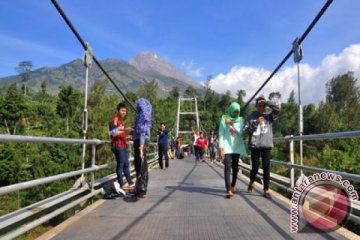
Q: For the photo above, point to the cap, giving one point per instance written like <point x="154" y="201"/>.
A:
<point x="261" y="97"/>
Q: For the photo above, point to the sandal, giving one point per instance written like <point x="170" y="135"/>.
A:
<point x="267" y="195"/>
<point x="229" y="194"/>
<point x="250" y="187"/>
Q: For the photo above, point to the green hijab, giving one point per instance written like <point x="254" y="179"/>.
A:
<point x="232" y="108"/>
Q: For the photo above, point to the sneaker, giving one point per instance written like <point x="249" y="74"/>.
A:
<point x="233" y="189"/>
<point x="267" y="195"/>
<point x="229" y="194"/>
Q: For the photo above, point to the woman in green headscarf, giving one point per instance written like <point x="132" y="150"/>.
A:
<point x="231" y="145"/>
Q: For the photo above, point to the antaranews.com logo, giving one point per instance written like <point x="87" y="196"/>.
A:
<point x="322" y="200"/>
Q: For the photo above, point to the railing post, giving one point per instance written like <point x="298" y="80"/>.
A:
<point x="240" y="162"/>
<point x="87" y="63"/>
<point x="93" y="154"/>
<point x="292" y="171"/>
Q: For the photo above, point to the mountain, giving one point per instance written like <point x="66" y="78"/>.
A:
<point x="152" y="65"/>
<point x="128" y="76"/>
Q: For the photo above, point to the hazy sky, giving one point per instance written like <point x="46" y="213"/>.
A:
<point x="238" y="42"/>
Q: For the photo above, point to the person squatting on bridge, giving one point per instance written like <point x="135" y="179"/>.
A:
<point x="259" y="127"/>
<point x="118" y="133"/>
<point x="163" y="145"/>
<point x="231" y="145"/>
<point x="141" y="136"/>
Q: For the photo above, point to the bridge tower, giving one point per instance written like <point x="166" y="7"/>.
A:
<point x="180" y="113"/>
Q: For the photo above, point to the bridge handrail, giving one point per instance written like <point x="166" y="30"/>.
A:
<point x="279" y="180"/>
<point x="16" y="218"/>
<point x="349" y="176"/>
<point x="40" y="181"/>
<point x="320" y="136"/>
<point x="34" y="139"/>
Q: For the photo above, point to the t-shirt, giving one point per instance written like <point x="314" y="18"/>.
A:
<point x="201" y="142"/>
<point x="118" y="141"/>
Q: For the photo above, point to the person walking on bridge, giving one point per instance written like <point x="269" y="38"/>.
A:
<point x="141" y="136"/>
<point x="196" y="149"/>
<point x="202" y="145"/>
<point x="259" y="127"/>
<point x="231" y="145"/>
<point x="118" y="133"/>
<point x="163" y="145"/>
<point x="212" y="141"/>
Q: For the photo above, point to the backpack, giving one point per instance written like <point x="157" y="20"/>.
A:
<point x="112" y="190"/>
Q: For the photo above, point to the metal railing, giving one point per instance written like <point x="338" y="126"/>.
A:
<point x="288" y="184"/>
<point x="31" y="216"/>
<point x="322" y="136"/>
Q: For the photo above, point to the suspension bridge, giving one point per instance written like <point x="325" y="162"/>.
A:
<point x="185" y="201"/>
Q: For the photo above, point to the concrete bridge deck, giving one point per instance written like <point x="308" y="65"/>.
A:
<point x="187" y="201"/>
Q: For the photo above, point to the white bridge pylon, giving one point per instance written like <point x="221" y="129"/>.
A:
<point x="180" y="113"/>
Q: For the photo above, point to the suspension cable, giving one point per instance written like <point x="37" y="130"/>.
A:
<point x="82" y="42"/>
<point x="302" y="38"/>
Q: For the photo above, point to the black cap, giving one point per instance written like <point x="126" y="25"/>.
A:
<point x="261" y="97"/>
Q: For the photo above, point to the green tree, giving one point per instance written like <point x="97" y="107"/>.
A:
<point x="24" y="69"/>
<point x="342" y="91"/>
<point x="175" y="92"/>
<point x="291" y="98"/>
<point x="43" y="86"/>
<point x="97" y="92"/>
<point x="190" y="91"/>
<point x="68" y="102"/>
<point x="13" y="109"/>
<point x="225" y="101"/>
<point x="240" y="97"/>
<point x="287" y="124"/>
<point x="309" y="117"/>
<point x="344" y="97"/>
<point x="275" y="96"/>
<point x="150" y="91"/>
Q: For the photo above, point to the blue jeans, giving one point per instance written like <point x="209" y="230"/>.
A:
<point x="122" y="165"/>
<point x="212" y="150"/>
<point x="231" y="161"/>
<point x="197" y="153"/>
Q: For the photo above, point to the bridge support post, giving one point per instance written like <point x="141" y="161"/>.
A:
<point x="292" y="170"/>
<point x="298" y="56"/>
<point x="93" y="164"/>
<point x="87" y="63"/>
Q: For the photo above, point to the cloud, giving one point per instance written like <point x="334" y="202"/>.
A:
<point x="312" y="79"/>
<point x="191" y="69"/>
<point x="17" y="43"/>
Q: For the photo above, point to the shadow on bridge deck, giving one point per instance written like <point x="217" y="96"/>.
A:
<point x="187" y="201"/>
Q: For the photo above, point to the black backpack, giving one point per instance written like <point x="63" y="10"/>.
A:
<point x="110" y="191"/>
